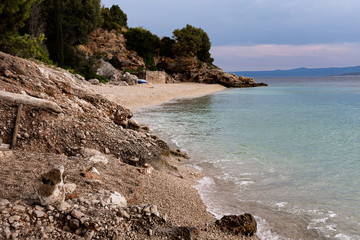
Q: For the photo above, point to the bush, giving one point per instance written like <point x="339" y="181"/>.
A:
<point x="166" y="47"/>
<point x="192" y="41"/>
<point x="144" y="43"/>
<point x="114" y="18"/>
<point x="26" y="46"/>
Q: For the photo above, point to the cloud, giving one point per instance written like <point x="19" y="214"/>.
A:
<point x="273" y="56"/>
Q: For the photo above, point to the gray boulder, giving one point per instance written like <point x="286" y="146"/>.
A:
<point x="130" y="79"/>
<point x="94" y="81"/>
<point x="107" y="70"/>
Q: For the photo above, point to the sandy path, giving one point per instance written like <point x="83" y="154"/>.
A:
<point x="143" y="95"/>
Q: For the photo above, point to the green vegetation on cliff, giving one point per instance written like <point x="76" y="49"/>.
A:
<point x="114" y="18"/>
<point x="51" y="30"/>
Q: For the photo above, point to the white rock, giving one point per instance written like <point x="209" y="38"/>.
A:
<point x="99" y="159"/>
<point x="117" y="199"/>
<point x="69" y="188"/>
<point x="4" y="202"/>
<point x="51" y="191"/>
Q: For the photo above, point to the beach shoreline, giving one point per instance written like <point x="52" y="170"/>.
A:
<point x="145" y="95"/>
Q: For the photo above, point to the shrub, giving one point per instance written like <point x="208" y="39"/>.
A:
<point x="26" y="46"/>
<point x="144" y="43"/>
<point x="114" y="18"/>
<point x="192" y="41"/>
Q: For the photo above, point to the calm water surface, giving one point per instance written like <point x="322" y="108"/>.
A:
<point x="288" y="153"/>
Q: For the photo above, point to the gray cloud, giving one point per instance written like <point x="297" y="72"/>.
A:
<point x="251" y="22"/>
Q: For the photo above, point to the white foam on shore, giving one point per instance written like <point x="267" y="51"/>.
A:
<point x="265" y="232"/>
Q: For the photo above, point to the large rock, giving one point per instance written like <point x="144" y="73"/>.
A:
<point x="130" y="79"/>
<point x="50" y="187"/>
<point x="239" y="225"/>
<point x="188" y="69"/>
<point x="107" y="70"/>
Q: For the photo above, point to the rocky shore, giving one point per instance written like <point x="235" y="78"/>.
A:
<point x="75" y="165"/>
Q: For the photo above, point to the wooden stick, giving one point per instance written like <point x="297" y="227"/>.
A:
<point x="28" y="100"/>
<point x="16" y="128"/>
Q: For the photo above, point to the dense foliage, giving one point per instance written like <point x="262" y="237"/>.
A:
<point x="69" y="23"/>
<point x="13" y="14"/>
<point x="193" y="41"/>
<point x="144" y="43"/>
<point x="114" y="18"/>
<point x="44" y="29"/>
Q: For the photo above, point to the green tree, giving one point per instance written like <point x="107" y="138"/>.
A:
<point x="13" y="14"/>
<point x="144" y="43"/>
<point x="114" y="18"/>
<point x="166" y="47"/>
<point x="69" y="23"/>
<point x="192" y="41"/>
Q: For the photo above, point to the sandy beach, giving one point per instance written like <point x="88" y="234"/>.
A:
<point x="142" y="95"/>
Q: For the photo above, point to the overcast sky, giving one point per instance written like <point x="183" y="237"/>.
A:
<point x="260" y="34"/>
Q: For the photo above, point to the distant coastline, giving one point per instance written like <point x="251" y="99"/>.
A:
<point x="302" y="72"/>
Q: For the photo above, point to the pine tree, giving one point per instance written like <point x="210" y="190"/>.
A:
<point x="13" y="14"/>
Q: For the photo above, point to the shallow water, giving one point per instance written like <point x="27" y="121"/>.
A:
<point x="287" y="153"/>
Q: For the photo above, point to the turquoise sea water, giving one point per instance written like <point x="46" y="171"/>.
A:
<point x="288" y="153"/>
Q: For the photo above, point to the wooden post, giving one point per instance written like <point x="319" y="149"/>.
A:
<point x="16" y="128"/>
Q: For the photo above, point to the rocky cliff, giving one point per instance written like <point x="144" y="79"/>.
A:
<point x="181" y="69"/>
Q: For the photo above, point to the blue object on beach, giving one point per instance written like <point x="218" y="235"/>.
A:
<point x="142" y="81"/>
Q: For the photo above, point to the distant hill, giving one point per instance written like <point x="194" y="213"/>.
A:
<point x="302" y="72"/>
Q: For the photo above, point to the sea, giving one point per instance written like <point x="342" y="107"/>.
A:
<point x="288" y="153"/>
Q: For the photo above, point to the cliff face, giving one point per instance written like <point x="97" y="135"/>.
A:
<point x="182" y="69"/>
<point x="112" y="44"/>
<point x="190" y="70"/>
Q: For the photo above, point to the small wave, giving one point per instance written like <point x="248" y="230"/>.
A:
<point x="342" y="236"/>
<point x="265" y="232"/>
<point x="280" y="204"/>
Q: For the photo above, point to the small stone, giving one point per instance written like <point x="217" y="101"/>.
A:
<point x="37" y="207"/>
<point x="19" y="208"/>
<point x="117" y="199"/>
<point x="74" y="224"/>
<point x="69" y="188"/>
<point x="146" y="209"/>
<point x="4" y="202"/>
<point x="63" y="206"/>
<point x="38" y="223"/>
<point x="8" y="74"/>
<point x="94" y="81"/>
<point x="50" y="208"/>
<point x="14" y="218"/>
<point x="134" y="124"/>
<point x="14" y="235"/>
<point x="26" y="135"/>
<point x="39" y="213"/>
<point x="124" y="213"/>
<point x="77" y="214"/>
<point x="80" y="134"/>
<point x="107" y="151"/>
<point x="99" y="159"/>
<point x="48" y="229"/>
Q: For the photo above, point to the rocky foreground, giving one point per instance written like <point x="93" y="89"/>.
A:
<point x="74" y="165"/>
